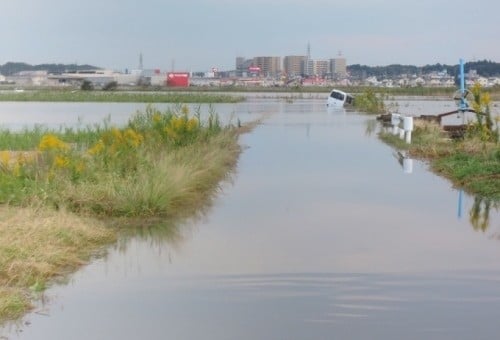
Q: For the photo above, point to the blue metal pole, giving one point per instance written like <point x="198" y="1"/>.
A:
<point x="463" y="103"/>
<point x="462" y="80"/>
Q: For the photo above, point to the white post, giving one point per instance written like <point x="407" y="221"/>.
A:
<point x="408" y="137"/>
<point x="395" y="118"/>
<point x="408" y="128"/>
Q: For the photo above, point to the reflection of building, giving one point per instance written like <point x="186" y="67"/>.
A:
<point x="293" y="65"/>
<point x="269" y="66"/>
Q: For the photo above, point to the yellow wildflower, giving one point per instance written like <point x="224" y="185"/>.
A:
<point x="117" y="135"/>
<point x="134" y="138"/>
<point x="51" y="142"/>
<point x="61" y="162"/>
<point x="5" y="157"/>
<point x="192" y="124"/>
<point x="97" y="148"/>
<point x="17" y="169"/>
<point x="486" y="99"/>
<point x="156" y="117"/>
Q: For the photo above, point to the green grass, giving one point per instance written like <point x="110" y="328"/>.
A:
<point x="478" y="173"/>
<point x="123" y="97"/>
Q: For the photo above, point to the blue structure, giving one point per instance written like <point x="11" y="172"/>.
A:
<point x="463" y="104"/>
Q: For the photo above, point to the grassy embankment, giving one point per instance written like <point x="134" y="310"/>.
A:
<point x="418" y="91"/>
<point x="471" y="163"/>
<point x="65" y="197"/>
<point x="58" y="95"/>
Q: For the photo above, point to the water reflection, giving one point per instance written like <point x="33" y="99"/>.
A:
<point x="322" y="235"/>
<point x="287" y="306"/>
<point x="404" y="161"/>
<point x="479" y="214"/>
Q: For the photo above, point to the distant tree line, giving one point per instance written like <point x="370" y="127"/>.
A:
<point x="484" y="68"/>
<point x="11" y="68"/>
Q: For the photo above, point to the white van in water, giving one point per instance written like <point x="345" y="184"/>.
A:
<point x="339" y="98"/>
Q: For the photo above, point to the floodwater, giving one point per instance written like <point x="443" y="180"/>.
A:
<point x="320" y="234"/>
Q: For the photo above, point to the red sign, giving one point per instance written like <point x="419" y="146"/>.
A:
<point x="178" y="79"/>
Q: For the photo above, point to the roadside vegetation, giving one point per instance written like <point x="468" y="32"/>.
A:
<point x="370" y="102"/>
<point x="471" y="162"/>
<point x="65" y="194"/>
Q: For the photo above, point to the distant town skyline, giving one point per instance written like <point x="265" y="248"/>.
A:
<point x="199" y="35"/>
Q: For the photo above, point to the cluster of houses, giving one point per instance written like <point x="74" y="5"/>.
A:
<point x="433" y="79"/>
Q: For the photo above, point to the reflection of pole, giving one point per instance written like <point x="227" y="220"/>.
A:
<point x="460" y="198"/>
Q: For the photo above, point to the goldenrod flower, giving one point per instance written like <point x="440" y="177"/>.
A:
<point x="134" y="138"/>
<point x="51" y="142"/>
<point x="192" y="124"/>
<point x="61" y="162"/>
<point x="156" y="117"/>
<point x="17" y="169"/>
<point x="5" y="157"/>
<point x="97" y="148"/>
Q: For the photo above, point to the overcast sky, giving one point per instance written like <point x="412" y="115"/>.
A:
<point x="196" y="35"/>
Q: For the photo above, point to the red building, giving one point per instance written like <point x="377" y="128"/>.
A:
<point x="178" y="79"/>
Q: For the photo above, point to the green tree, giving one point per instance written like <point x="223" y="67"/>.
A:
<point x="111" y="86"/>
<point x="87" y="85"/>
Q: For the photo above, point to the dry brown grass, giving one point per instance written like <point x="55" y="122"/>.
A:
<point x="37" y="245"/>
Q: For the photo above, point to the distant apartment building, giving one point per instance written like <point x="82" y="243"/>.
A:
<point x="293" y="65"/>
<point x="321" y="68"/>
<point x="338" y="67"/>
<point x="317" y="68"/>
<point x="269" y="66"/>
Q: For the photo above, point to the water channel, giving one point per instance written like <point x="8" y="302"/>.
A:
<point x="320" y="234"/>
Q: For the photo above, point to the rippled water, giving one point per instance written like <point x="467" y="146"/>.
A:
<point x="319" y="235"/>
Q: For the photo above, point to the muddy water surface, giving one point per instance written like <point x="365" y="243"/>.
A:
<point x="319" y="235"/>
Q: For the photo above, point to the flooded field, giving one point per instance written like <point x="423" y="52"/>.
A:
<point x="320" y="234"/>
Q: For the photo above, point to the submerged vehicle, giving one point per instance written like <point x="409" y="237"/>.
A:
<point x="339" y="98"/>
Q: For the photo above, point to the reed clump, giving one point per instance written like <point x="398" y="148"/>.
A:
<point x="369" y="102"/>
